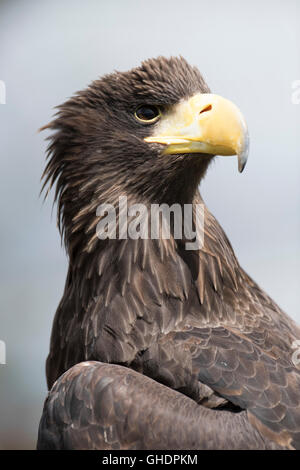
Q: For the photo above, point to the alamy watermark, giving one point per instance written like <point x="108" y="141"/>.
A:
<point x="296" y="353"/>
<point x="2" y="343"/>
<point x="157" y="221"/>
<point x="296" y="92"/>
<point x="2" y="92"/>
<point x="2" y="352"/>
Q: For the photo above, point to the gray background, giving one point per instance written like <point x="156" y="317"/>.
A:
<point x="248" y="52"/>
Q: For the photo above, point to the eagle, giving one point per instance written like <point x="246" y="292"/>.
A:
<point x="154" y="345"/>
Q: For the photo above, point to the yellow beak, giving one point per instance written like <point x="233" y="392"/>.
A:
<point x="205" y="123"/>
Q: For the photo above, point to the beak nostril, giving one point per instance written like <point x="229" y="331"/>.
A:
<point x="207" y="108"/>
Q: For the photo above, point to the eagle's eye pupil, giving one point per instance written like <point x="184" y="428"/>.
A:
<point x="147" y="113"/>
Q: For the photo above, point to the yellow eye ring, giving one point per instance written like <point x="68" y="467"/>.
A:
<point x="147" y="114"/>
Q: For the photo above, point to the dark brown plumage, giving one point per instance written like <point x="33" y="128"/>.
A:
<point x="191" y="320"/>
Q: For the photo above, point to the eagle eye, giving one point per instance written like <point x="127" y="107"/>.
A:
<point x="147" y="113"/>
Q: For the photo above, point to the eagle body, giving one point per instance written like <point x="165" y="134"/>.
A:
<point x="154" y="345"/>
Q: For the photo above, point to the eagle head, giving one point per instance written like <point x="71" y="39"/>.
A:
<point x="149" y="133"/>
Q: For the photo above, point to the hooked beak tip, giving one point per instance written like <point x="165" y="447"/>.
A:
<point x="243" y="155"/>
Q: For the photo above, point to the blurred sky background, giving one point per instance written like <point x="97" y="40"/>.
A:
<point x="247" y="51"/>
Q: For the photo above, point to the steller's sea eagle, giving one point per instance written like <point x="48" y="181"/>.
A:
<point x="156" y="346"/>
